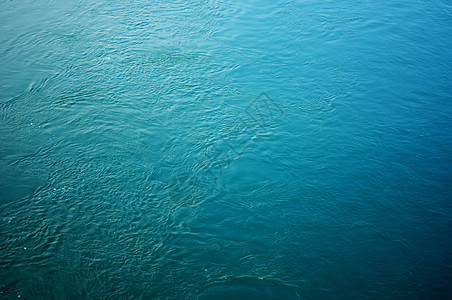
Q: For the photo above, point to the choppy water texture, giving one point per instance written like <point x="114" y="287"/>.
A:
<point x="225" y="149"/>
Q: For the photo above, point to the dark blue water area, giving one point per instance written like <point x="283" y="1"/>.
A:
<point x="225" y="149"/>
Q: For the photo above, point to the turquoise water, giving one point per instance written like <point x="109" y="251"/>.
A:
<point x="226" y="149"/>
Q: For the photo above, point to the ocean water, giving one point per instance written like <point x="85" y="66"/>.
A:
<point x="226" y="149"/>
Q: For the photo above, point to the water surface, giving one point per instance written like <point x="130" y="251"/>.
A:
<point x="222" y="149"/>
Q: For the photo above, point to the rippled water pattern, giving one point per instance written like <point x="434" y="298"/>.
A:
<point x="225" y="149"/>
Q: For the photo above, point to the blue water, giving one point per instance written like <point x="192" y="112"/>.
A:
<point x="226" y="149"/>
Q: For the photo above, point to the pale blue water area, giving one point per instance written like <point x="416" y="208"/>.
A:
<point x="226" y="149"/>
